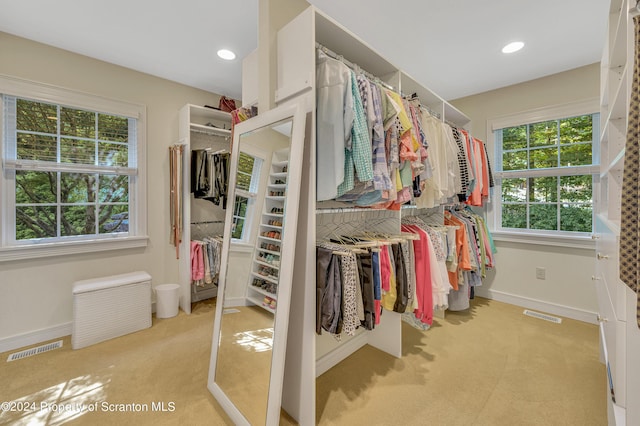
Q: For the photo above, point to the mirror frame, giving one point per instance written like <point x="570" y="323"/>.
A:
<point x="281" y="316"/>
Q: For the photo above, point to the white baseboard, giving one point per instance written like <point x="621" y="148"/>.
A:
<point x="34" y="337"/>
<point x="233" y="302"/>
<point x="539" y="305"/>
<point x="343" y="351"/>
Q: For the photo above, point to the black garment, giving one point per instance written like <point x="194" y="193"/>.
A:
<point x="328" y="292"/>
<point x="210" y="176"/>
<point x="402" y="288"/>
<point x="365" y="271"/>
<point x="200" y="173"/>
<point x="416" y="187"/>
<point x="220" y="175"/>
<point x="462" y="164"/>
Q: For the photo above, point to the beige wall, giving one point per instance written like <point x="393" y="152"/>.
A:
<point x="36" y="294"/>
<point x="568" y="287"/>
<point x="565" y="87"/>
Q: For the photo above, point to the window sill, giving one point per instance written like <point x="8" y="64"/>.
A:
<point x="30" y="252"/>
<point x="241" y="247"/>
<point x="579" y="242"/>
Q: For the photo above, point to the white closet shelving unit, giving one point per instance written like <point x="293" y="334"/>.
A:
<point x="619" y="333"/>
<point x="265" y="272"/>
<point x="197" y="131"/>
<point x="308" y="355"/>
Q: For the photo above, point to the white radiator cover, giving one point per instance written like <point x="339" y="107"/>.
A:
<point x="104" y="308"/>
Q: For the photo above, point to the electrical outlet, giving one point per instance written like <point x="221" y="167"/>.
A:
<point x="541" y="273"/>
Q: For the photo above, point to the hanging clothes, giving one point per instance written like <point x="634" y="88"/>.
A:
<point x="475" y="251"/>
<point x="210" y="175"/>
<point x="206" y="256"/>
<point x="221" y="165"/>
<point x="334" y="113"/>
<point x="437" y="255"/>
<point x="377" y="149"/>
<point x="328" y="291"/>
<point x="424" y="284"/>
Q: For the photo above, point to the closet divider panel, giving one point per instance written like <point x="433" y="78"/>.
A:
<point x="299" y="390"/>
<point x="184" y="267"/>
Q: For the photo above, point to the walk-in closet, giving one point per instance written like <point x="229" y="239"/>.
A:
<point x="310" y="212"/>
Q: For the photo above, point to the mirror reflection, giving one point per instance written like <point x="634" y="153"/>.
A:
<point x="244" y="353"/>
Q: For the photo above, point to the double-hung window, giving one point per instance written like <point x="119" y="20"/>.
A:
<point x="547" y="170"/>
<point x="247" y="180"/>
<point x="71" y="176"/>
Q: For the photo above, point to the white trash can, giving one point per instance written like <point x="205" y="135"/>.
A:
<point x="167" y="300"/>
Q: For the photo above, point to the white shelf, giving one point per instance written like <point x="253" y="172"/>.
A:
<point x="271" y="226"/>
<point x="269" y="251"/>
<point x="269" y="239"/>
<point x="264" y="277"/>
<point x="211" y="130"/>
<point x="259" y="303"/>
<point x="278" y="215"/>
<point x="264" y="292"/>
<point x="200" y="114"/>
<point x="279" y="175"/>
<point x="260" y="262"/>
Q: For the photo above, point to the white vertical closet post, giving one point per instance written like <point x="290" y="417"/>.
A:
<point x="307" y="355"/>
<point x="250" y="79"/>
<point x="619" y="332"/>
<point x="184" y="269"/>
<point x="193" y="120"/>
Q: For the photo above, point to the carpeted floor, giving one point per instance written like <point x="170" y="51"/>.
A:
<point x="491" y="365"/>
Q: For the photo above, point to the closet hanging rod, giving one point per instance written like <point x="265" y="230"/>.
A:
<point x="351" y="65"/>
<point x="344" y="210"/>
<point x="212" y="132"/>
<point x="433" y="113"/>
<point x="361" y="209"/>
<point x="206" y="222"/>
<point x="452" y="124"/>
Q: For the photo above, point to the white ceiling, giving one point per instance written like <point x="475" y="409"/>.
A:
<point x="451" y="46"/>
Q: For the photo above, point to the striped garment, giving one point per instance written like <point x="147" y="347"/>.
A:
<point x="358" y="159"/>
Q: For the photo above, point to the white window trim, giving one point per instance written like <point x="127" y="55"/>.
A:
<point x="254" y="198"/>
<point x="529" y="236"/>
<point x="138" y="196"/>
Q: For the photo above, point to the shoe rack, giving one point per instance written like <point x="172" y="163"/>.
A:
<point x="263" y="286"/>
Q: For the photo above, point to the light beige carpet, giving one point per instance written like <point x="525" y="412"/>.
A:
<point x="488" y="366"/>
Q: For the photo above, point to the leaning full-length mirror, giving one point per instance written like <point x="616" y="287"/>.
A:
<point x="252" y="312"/>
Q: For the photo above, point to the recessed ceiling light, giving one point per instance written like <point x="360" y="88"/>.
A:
<point x="226" y="54"/>
<point x="513" y="47"/>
